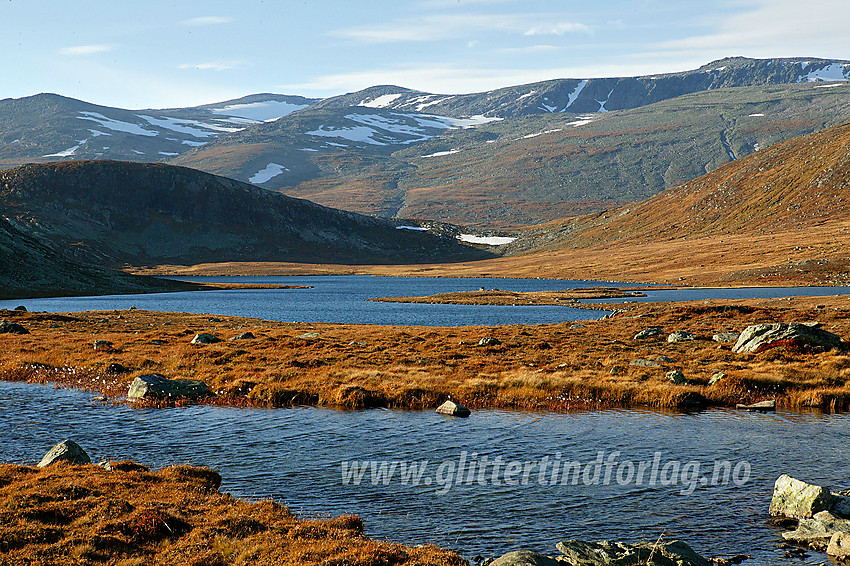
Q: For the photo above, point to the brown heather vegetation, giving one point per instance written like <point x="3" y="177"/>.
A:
<point x="553" y="367"/>
<point x="131" y="516"/>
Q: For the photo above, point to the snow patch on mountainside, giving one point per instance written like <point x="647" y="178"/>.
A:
<point x="381" y="101"/>
<point x="414" y="228"/>
<point x="116" y="125"/>
<point x="68" y="152"/>
<point x="833" y="72"/>
<point x="574" y="94"/>
<point x="582" y="120"/>
<point x="270" y="171"/>
<point x="263" y="111"/>
<point x="486" y="240"/>
<point x="441" y="153"/>
<point x="361" y="134"/>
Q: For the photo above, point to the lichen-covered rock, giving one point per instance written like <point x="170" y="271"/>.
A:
<point x="7" y="327"/>
<point x="651" y="332"/>
<point x="680" y="336"/>
<point x="644" y="363"/>
<point x="453" y="409"/>
<point x="761" y="337"/>
<point x="65" y="451"/>
<point x="839" y="545"/>
<point x="158" y="386"/>
<point x="676" y="376"/>
<point x="675" y="553"/>
<point x="244" y="336"/>
<point x="204" y="338"/>
<point x="797" y="499"/>
<point x="489" y="341"/>
<point x="524" y="558"/>
<point x="817" y="531"/>
<point x="726" y="337"/>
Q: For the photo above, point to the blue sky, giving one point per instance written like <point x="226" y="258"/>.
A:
<point x="159" y="54"/>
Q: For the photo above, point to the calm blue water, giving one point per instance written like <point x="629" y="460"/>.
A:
<point x="296" y="456"/>
<point x="344" y="299"/>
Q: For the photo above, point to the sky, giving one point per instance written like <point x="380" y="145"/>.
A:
<point x="165" y="54"/>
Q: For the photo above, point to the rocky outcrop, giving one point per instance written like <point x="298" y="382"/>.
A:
<point x="651" y="332"/>
<point x="66" y="451"/>
<point x="675" y="553"/>
<point x="155" y="386"/>
<point x="797" y="499"/>
<point x="204" y="338"/>
<point x="7" y="327"/>
<point x="726" y="337"/>
<point x="761" y="337"/>
<point x="453" y="409"/>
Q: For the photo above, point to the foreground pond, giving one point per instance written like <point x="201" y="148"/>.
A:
<point x="308" y="458"/>
<point x="345" y="299"/>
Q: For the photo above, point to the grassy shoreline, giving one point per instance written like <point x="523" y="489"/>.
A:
<point x="558" y="367"/>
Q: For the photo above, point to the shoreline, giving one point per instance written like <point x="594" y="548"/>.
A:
<point x="557" y="367"/>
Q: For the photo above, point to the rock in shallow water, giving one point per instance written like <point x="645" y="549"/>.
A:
<point x="68" y="451"/>
<point x="158" y="386"/>
<point x="674" y="553"/>
<point x="453" y="409"/>
<point x="524" y="558"/>
<point x="798" y="499"/>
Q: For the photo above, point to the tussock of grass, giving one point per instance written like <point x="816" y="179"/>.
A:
<point x="129" y="516"/>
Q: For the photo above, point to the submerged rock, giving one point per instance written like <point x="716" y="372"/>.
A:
<point x="453" y="409"/>
<point x="797" y="499"/>
<point x="761" y="337"/>
<point x="204" y="338"/>
<point x="674" y="553"/>
<point x="67" y="451"/>
<point x="524" y="558"/>
<point x="158" y="386"/>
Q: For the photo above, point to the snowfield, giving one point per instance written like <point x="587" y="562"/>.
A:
<point x="116" y="125"/>
<point x="270" y="171"/>
<point x="485" y="240"/>
<point x="264" y="111"/>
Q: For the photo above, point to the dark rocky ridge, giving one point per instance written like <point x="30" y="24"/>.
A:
<point x="118" y="213"/>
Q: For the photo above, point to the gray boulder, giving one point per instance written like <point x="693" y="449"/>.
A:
<point x="726" y="337"/>
<point x="675" y="553"/>
<point x="524" y="558"/>
<point x="244" y="336"/>
<point x="716" y="376"/>
<point x="649" y="333"/>
<point x="676" y="376"/>
<point x="158" y="386"/>
<point x="799" y="500"/>
<point x="7" y="327"/>
<point x="204" y="338"/>
<point x="489" y="341"/>
<point x="761" y="337"/>
<point x="453" y="409"/>
<point x="102" y="344"/>
<point x="65" y="451"/>
<point x="762" y="406"/>
<point x="680" y="336"/>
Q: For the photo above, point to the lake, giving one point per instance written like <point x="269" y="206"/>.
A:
<point x="345" y="299"/>
<point x="302" y="457"/>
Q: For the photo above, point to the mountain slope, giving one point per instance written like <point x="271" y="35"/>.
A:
<point x="519" y="171"/>
<point x="31" y="269"/>
<point x="49" y="127"/>
<point x="118" y="213"/>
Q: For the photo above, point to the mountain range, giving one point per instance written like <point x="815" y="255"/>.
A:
<point x="500" y="159"/>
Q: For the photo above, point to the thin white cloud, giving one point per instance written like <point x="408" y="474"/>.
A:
<point x="85" y="50"/>
<point x="207" y="21"/>
<point x="213" y="65"/>
<point x="528" y="49"/>
<point x="447" y="26"/>
<point x="776" y="28"/>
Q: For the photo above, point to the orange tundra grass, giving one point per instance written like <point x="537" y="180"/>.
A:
<point x="553" y="367"/>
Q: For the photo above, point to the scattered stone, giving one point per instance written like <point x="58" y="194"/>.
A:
<point x="763" y="406"/>
<point x="156" y="342"/>
<point x="839" y="545"/>
<point x="840" y="505"/>
<point x="680" y="336"/>
<point x="205" y="338"/>
<point x="309" y="335"/>
<point x="674" y="553"/>
<point x="453" y="409"/>
<point x="616" y="370"/>
<point x="715" y="377"/>
<point x="798" y="499"/>
<point x="726" y="337"/>
<point x="7" y="327"/>
<point x="816" y="532"/>
<point x="649" y="333"/>
<point x="102" y="345"/>
<point x="489" y="341"/>
<point x="158" y="386"/>
<point x="644" y="363"/>
<point x="21" y="308"/>
<point x="761" y="337"/>
<point x="664" y="360"/>
<point x="68" y="451"/>
<point x="676" y="376"/>
<point x="577" y="325"/>
<point x="244" y="336"/>
<point x="524" y="558"/>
